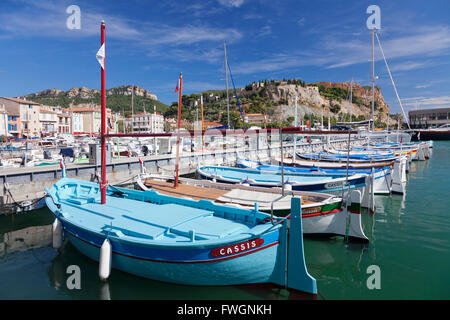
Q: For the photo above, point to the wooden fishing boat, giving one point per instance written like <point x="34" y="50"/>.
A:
<point x="382" y="179"/>
<point x="343" y="157"/>
<point x="322" y="214"/>
<point x="177" y="240"/>
<point x="334" y="184"/>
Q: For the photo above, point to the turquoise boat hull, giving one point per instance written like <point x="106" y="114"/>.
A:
<point x="180" y="240"/>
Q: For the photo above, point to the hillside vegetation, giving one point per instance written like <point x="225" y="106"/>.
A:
<point x="275" y="99"/>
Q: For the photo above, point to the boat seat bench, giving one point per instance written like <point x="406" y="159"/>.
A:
<point x="179" y="223"/>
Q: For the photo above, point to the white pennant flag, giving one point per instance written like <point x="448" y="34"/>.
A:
<point x="101" y="56"/>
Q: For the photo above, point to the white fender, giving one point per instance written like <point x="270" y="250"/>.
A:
<point x="57" y="231"/>
<point x="104" y="268"/>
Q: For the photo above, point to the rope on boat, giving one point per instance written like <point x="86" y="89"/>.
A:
<point x="320" y="294"/>
<point x="18" y="204"/>
<point x="122" y="182"/>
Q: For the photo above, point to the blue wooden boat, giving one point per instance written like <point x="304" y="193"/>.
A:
<point x="343" y="157"/>
<point x="382" y="178"/>
<point x="181" y="240"/>
<point x="317" y="182"/>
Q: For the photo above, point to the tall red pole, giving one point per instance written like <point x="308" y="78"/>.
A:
<point x="178" y="131"/>
<point x="103" y="124"/>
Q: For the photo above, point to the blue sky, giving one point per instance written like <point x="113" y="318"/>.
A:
<point x="150" y="42"/>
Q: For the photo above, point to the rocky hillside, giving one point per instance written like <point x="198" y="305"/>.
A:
<point x="330" y="98"/>
<point x="276" y="99"/>
<point x="117" y="99"/>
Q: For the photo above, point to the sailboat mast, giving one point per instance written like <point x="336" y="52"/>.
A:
<point x="203" y="126"/>
<point x="295" y="136"/>
<point x="373" y="79"/>
<point x="226" y="81"/>
<point x="178" y="130"/>
<point x="103" y="122"/>
<point x="351" y="99"/>
<point x="132" y="102"/>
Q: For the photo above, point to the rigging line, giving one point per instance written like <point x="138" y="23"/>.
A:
<point x="240" y="110"/>
<point x="392" y="80"/>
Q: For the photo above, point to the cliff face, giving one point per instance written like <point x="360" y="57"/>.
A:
<point x="86" y="93"/>
<point x="127" y="91"/>
<point x="118" y="99"/>
<point x="364" y="93"/>
<point x="312" y="100"/>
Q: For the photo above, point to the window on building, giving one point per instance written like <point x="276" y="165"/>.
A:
<point x="442" y="116"/>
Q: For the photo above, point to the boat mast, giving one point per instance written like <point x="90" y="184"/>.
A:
<point x="178" y="131"/>
<point x="295" y="136"/>
<point x="373" y="79"/>
<point x="226" y="81"/>
<point x="351" y="99"/>
<point x="203" y="126"/>
<point x="103" y="122"/>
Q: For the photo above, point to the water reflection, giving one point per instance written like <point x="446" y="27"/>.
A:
<point x="336" y="265"/>
<point x="122" y="285"/>
<point x="25" y="239"/>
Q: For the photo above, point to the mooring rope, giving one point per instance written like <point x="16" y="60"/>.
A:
<point x="17" y="204"/>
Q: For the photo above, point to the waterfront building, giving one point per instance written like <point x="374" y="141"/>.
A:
<point x="26" y="113"/>
<point x="77" y="122"/>
<point x="64" y="122"/>
<point x="48" y="120"/>
<point x="255" y="118"/>
<point x="147" y="122"/>
<point x="91" y="116"/>
<point x="3" y="121"/>
<point x="427" y="118"/>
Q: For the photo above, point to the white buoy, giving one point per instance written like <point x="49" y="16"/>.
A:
<point x="288" y="186"/>
<point x="57" y="231"/>
<point x="104" y="268"/>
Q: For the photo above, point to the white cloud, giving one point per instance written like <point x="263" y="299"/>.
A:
<point x="301" y="22"/>
<point x="423" y="86"/>
<point x="49" y="20"/>
<point x="265" y="31"/>
<point x="423" y="42"/>
<point x="428" y="102"/>
<point x="408" y="66"/>
<point x="231" y="3"/>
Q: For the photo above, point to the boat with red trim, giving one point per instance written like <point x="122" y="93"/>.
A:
<point x="179" y="240"/>
<point x="322" y="213"/>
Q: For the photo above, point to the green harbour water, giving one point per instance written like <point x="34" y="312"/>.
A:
<point x="409" y="243"/>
